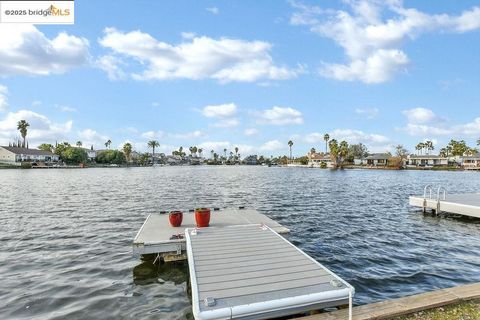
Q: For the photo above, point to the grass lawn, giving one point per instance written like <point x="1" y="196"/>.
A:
<point x="464" y="311"/>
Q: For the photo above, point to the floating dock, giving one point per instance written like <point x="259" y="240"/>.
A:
<point x="251" y="272"/>
<point x="156" y="236"/>
<point x="467" y="204"/>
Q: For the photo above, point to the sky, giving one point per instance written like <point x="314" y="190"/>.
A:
<point x="247" y="74"/>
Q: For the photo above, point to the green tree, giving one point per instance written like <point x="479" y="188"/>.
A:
<point x="46" y="147"/>
<point x="200" y="151"/>
<point x="79" y="144"/>
<point x="108" y="143"/>
<point x="312" y="151"/>
<point x="290" y="144"/>
<point x="326" y="137"/>
<point x="111" y="157"/>
<point x="429" y="146"/>
<point x="357" y="151"/>
<point x="22" y="126"/>
<point x="334" y="151"/>
<point x="459" y="148"/>
<point x="236" y="153"/>
<point x="153" y="144"/>
<point x="72" y="155"/>
<point x="127" y="150"/>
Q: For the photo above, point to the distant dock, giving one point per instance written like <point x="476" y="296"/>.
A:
<point x="467" y="204"/>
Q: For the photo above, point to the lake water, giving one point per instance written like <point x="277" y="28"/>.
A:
<point x="65" y="235"/>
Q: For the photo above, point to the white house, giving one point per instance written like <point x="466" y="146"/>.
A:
<point x="316" y="160"/>
<point x="426" y="160"/>
<point x="378" y="159"/>
<point x="471" y="162"/>
<point x="17" y="155"/>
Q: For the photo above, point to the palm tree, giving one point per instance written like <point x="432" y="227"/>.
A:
<point x="191" y="151"/>
<point x="312" y="152"/>
<point x="334" y="150"/>
<point x="79" y="144"/>
<point x="180" y="151"/>
<point x="108" y="143"/>
<point x="22" y="126"/>
<point x="428" y="146"/>
<point x="127" y="150"/>
<point x="225" y="152"/>
<point x="153" y="144"/>
<point x="290" y="144"/>
<point x="212" y="152"/>
<point x="326" y="137"/>
<point x="200" y="150"/>
<point x="195" y="149"/>
<point x="236" y="152"/>
<point x="478" y="142"/>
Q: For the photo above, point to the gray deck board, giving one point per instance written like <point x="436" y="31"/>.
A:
<point x="258" y="270"/>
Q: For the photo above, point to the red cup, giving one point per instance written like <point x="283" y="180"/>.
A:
<point x="202" y="217"/>
<point x="175" y="218"/>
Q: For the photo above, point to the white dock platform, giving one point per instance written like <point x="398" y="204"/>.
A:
<point x="251" y="272"/>
<point x="467" y="204"/>
<point x="155" y="235"/>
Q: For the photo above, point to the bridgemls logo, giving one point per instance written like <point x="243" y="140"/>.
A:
<point x="37" y="12"/>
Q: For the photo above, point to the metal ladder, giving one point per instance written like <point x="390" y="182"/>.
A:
<point x="428" y="188"/>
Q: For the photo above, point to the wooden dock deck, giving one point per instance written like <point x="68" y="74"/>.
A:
<point x="406" y="305"/>
<point x="250" y="271"/>
<point x="157" y="236"/>
<point x="467" y="204"/>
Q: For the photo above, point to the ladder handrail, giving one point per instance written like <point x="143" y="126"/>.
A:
<point x="440" y="188"/>
<point x="428" y="186"/>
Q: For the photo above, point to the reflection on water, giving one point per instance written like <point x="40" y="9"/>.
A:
<point x="65" y="235"/>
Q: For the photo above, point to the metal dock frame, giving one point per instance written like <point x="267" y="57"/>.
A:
<point x="248" y="301"/>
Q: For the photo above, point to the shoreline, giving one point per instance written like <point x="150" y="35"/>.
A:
<point x="348" y="167"/>
<point x="408" y="305"/>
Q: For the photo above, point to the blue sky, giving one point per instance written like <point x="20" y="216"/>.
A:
<point x="251" y="74"/>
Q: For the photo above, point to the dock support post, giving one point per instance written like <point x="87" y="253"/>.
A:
<point x="350" y="304"/>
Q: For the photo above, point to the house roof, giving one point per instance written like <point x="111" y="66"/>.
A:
<point x="426" y="156"/>
<point x="378" y="156"/>
<point x="475" y="156"/>
<point x="32" y="152"/>
<point x="319" y="156"/>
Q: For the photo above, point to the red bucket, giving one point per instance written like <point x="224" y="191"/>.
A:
<point x="175" y="218"/>
<point x="202" y="217"/>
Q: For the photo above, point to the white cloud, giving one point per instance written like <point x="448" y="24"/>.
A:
<point x="371" y="33"/>
<point x="213" y="10"/>
<point x="153" y="134"/>
<point x="26" y="50"/>
<point x="188" y="135"/>
<point x="188" y="35"/>
<point x="155" y="104"/>
<point x="36" y="103"/>
<point x="419" y="115"/>
<point x="216" y="146"/>
<point x="41" y="128"/>
<point x="369" y="113"/>
<point x="65" y="108"/>
<point x="90" y="137"/>
<point x="3" y="98"/>
<point x="112" y="66"/>
<point x="280" y="116"/>
<point x="227" y="123"/>
<point x="273" y="145"/>
<point x="250" y="132"/>
<point x="220" y="111"/>
<point x="352" y="136"/>
<point x="424" y="122"/>
<point x="222" y="59"/>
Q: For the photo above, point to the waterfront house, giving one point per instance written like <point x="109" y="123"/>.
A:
<point x="251" y="160"/>
<point x="17" y="155"/>
<point x="319" y="160"/>
<point x="426" y="160"/>
<point x="378" y="159"/>
<point x="471" y="162"/>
